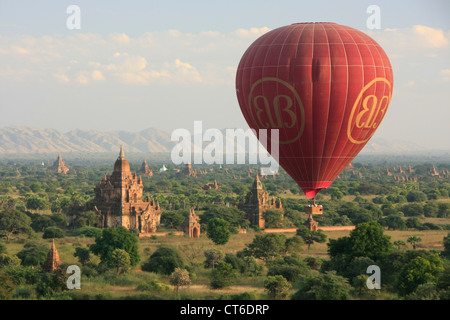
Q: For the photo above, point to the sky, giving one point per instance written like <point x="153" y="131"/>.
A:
<point x="133" y="65"/>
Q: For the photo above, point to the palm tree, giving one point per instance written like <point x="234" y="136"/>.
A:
<point x="413" y="240"/>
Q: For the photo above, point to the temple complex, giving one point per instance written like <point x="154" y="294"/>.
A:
<point x="119" y="200"/>
<point x="257" y="202"/>
<point x="59" y="165"/>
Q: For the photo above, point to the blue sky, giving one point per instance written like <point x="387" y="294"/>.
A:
<point x="136" y="17"/>
<point x="165" y="64"/>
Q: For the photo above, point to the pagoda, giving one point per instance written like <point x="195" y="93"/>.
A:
<point x="52" y="263"/>
<point x="59" y="165"/>
<point x="191" y="225"/>
<point x="145" y="171"/>
<point x="256" y="202"/>
<point x="119" y="200"/>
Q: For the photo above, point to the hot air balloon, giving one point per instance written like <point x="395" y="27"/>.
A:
<point x="326" y="87"/>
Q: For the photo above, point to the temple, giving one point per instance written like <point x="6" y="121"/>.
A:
<point x="145" y="171"/>
<point x="59" y="165"/>
<point x="119" y="200"/>
<point x="257" y="202"/>
<point x="214" y="186"/>
<point x="188" y="171"/>
<point x="191" y="225"/>
<point x="52" y="263"/>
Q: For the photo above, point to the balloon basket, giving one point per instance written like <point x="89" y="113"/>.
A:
<point x="311" y="209"/>
<point x="314" y="209"/>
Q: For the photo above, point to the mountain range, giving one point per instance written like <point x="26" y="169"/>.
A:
<point x="16" y="140"/>
<point x="29" y="140"/>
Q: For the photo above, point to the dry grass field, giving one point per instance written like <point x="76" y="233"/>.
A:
<point x="192" y="251"/>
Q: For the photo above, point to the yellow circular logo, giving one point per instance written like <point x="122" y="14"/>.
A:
<point x="367" y="112"/>
<point x="275" y="104"/>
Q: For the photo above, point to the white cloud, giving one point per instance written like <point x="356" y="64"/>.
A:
<point x="97" y="75"/>
<point x="168" y="57"/>
<point x="416" y="37"/>
<point x="187" y="70"/>
<point x="251" y="33"/>
<point x="430" y="36"/>
<point x="61" y="77"/>
<point x="120" y="38"/>
<point x="445" y="75"/>
<point x="83" y="77"/>
<point x="20" y="50"/>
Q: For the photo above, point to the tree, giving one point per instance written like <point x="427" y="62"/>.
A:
<point x="40" y="222"/>
<point x="294" y="244"/>
<point x="116" y="238"/>
<point x="394" y="222"/>
<point x="412" y="210"/>
<point x="310" y="236"/>
<point x="213" y="257"/>
<point x="416" y="196"/>
<point x="444" y="210"/>
<point x="419" y="270"/>
<point x="325" y="286"/>
<point x="179" y="278"/>
<point x="164" y="260"/>
<point x="33" y="254"/>
<point x="120" y="259"/>
<point x="245" y="265"/>
<point x="273" y="218"/>
<point x="277" y="287"/>
<point x="7" y="286"/>
<point x="368" y="239"/>
<point x="85" y="218"/>
<point x="35" y="202"/>
<point x="173" y="219"/>
<point x="399" y="243"/>
<point x="413" y="223"/>
<point x="51" y="284"/>
<point x="223" y="275"/>
<point x="83" y="255"/>
<point x="6" y="260"/>
<point x="446" y="251"/>
<point x="14" y="222"/>
<point x="234" y="216"/>
<point x="336" y="194"/>
<point x="431" y="209"/>
<point x="218" y="230"/>
<point x="413" y="240"/>
<point x="53" y="232"/>
<point x="267" y="246"/>
<point x="290" y="267"/>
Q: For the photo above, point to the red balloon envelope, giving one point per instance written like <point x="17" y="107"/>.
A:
<point x="325" y="86"/>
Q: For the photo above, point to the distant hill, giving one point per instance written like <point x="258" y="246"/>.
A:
<point x="380" y="145"/>
<point x="35" y="140"/>
<point x="28" y="140"/>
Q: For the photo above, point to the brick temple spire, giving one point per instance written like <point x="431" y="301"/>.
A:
<point x="52" y="263"/>
<point x="121" y="154"/>
<point x="59" y="165"/>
